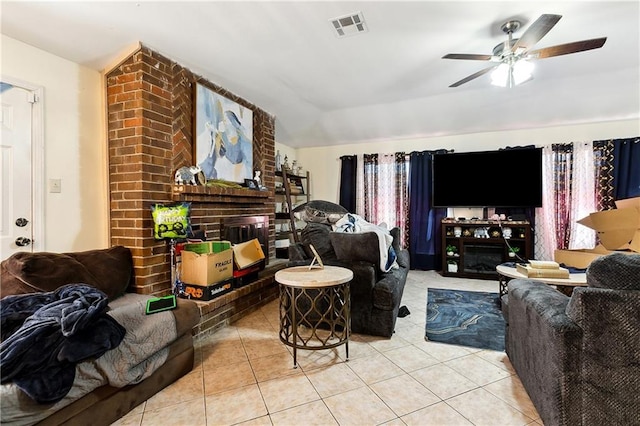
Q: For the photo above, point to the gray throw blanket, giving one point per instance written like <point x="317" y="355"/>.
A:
<point x="44" y="336"/>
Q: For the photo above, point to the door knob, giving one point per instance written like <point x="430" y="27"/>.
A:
<point x="22" y="241"/>
<point x="21" y="222"/>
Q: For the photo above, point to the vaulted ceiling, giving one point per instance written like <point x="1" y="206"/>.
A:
<point x="388" y="82"/>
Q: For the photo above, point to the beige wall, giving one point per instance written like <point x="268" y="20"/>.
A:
<point x="74" y="145"/>
<point x="324" y="162"/>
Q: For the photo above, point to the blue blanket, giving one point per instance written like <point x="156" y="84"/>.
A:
<point x="44" y="336"/>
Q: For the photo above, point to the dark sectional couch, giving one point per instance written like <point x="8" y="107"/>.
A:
<point x="578" y="357"/>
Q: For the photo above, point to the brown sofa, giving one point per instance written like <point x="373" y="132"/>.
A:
<point x="101" y="402"/>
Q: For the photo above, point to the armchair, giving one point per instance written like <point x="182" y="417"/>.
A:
<point x="578" y="356"/>
<point x="375" y="295"/>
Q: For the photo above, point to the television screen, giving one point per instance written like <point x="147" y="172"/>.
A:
<point x="504" y="178"/>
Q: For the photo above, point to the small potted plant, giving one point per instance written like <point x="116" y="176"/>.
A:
<point x="513" y="251"/>
<point x="451" y="250"/>
<point x="452" y="266"/>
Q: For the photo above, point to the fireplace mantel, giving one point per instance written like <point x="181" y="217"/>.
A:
<point x="205" y="194"/>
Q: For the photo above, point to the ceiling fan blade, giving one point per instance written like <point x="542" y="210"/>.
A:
<point x="473" y="76"/>
<point x="564" y="49"/>
<point x="470" y="56"/>
<point x="535" y="32"/>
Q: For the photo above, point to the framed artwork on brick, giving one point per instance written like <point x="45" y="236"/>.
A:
<point x="223" y="145"/>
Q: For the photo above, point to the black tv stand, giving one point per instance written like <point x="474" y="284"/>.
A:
<point x="480" y="246"/>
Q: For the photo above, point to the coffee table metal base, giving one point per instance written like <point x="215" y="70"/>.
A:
<point x="315" y="318"/>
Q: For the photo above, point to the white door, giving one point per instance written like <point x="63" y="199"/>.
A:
<point x="16" y="214"/>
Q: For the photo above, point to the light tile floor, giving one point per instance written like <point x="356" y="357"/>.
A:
<point x="244" y="375"/>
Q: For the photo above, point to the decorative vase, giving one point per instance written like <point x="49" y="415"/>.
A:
<point x="452" y="267"/>
<point x="512" y="254"/>
<point x="278" y="161"/>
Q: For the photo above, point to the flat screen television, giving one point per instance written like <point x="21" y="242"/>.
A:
<point x="503" y="178"/>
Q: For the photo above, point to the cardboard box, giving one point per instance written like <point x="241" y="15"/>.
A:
<point x="204" y="292"/>
<point x="583" y="257"/>
<point x="617" y="229"/>
<point x="207" y="268"/>
<point x="247" y="254"/>
<point x="207" y="247"/>
<point x="245" y="276"/>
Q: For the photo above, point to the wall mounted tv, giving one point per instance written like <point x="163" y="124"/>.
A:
<point x="503" y="178"/>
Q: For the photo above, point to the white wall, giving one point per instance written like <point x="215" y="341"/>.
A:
<point x="74" y="145"/>
<point x="324" y="162"/>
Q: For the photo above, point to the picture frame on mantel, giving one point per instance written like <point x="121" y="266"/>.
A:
<point x="223" y="136"/>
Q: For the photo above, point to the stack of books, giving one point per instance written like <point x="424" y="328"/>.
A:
<point x="542" y="269"/>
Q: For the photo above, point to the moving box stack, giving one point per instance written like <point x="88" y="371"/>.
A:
<point x="207" y="269"/>
<point x="617" y="229"/>
<point x="542" y="269"/>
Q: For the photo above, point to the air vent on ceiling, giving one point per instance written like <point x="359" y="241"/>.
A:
<point x="349" y="24"/>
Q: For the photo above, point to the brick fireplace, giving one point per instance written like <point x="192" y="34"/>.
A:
<point x="150" y="125"/>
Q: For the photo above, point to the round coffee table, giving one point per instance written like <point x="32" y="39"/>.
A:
<point x="564" y="285"/>
<point x="315" y="307"/>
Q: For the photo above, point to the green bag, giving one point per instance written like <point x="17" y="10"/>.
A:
<point x="171" y="221"/>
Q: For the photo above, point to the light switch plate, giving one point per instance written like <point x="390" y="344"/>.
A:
<point x="55" y="185"/>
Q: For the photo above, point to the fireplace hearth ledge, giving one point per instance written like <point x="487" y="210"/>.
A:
<point x="230" y="307"/>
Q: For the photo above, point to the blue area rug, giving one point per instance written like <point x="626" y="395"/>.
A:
<point x="466" y="318"/>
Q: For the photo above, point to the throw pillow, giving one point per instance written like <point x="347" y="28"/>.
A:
<point x="41" y="272"/>
<point x="351" y="246"/>
<point x="318" y="235"/>
<point x="109" y="270"/>
<point x="616" y="271"/>
<point x="320" y="211"/>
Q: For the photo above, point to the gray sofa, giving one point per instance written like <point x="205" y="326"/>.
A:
<point x="578" y="357"/>
<point x="375" y="295"/>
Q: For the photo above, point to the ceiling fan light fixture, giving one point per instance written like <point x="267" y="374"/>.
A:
<point x="514" y="53"/>
<point x="500" y="76"/>
<point x="522" y="71"/>
<point x="510" y="75"/>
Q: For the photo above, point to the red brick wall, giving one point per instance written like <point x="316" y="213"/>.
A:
<point x="150" y="125"/>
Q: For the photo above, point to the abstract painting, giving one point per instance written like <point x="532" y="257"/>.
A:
<point x="223" y="137"/>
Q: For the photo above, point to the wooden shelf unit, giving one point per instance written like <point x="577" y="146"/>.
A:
<point x="293" y="192"/>
<point x="476" y="256"/>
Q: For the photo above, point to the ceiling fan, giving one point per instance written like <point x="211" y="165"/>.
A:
<point x="513" y="57"/>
